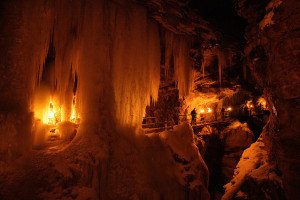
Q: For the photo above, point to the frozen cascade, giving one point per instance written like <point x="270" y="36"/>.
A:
<point x="108" y="49"/>
<point x="136" y="63"/>
<point x="177" y="50"/>
<point x="183" y="67"/>
<point x="113" y="47"/>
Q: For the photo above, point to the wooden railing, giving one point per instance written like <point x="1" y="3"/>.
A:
<point x="162" y="126"/>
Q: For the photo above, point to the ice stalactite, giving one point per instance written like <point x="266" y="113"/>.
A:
<point x="116" y="53"/>
<point x="169" y="39"/>
<point x="25" y="33"/>
<point x="182" y="65"/>
<point x="177" y="50"/>
<point x="135" y="62"/>
<point x="221" y="64"/>
<point x="203" y="68"/>
<point x="112" y="49"/>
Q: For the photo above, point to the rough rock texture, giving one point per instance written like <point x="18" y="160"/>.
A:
<point x="256" y="175"/>
<point x="211" y="147"/>
<point x="178" y="18"/>
<point x="272" y="58"/>
<point x="166" y="108"/>
<point x="235" y="138"/>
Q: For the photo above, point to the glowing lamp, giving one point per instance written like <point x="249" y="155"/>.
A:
<point x="229" y="109"/>
<point x="249" y="104"/>
<point x="202" y="111"/>
<point x="51" y="115"/>
<point x="73" y="117"/>
<point x="209" y="110"/>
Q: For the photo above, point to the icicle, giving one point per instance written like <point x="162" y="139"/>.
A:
<point x="169" y="43"/>
<point x="221" y="64"/>
<point x="203" y="68"/>
<point x="114" y="49"/>
<point x="136" y="64"/>
<point x="220" y="72"/>
<point x="182" y="65"/>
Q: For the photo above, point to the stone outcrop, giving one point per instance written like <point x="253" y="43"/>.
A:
<point x="272" y="61"/>
<point x="177" y="17"/>
<point x="256" y="175"/>
<point x="235" y="138"/>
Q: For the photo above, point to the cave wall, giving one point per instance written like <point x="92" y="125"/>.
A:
<point x="272" y="57"/>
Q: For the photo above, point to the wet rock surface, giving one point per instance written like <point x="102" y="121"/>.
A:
<point x="272" y="58"/>
<point x="235" y="139"/>
<point x="256" y="175"/>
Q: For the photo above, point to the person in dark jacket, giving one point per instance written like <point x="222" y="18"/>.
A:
<point x="194" y="115"/>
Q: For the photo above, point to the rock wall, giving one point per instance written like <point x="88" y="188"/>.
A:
<point x="272" y="58"/>
<point x="256" y="175"/>
<point x="235" y="138"/>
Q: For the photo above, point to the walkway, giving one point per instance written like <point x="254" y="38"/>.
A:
<point x="162" y="126"/>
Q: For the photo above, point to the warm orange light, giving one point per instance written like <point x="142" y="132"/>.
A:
<point x="51" y="115"/>
<point x="202" y="111"/>
<point x="229" y="109"/>
<point x="74" y="116"/>
<point x="249" y="104"/>
<point x="209" y="110"/>
<point x="261" y="101"/>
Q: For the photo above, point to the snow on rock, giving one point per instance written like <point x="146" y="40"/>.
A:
<point x="206" y="130"/>
<point x="154" y="166"/>
<point x="254" y="165"/>
<point x="235" y="138"/>
<point x="186" y="155"/>
<point x="268" y="18"/>
<point x="203" y="137"/>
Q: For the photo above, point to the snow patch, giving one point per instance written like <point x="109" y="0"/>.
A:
<point x="268" y="18"/>
<point x="190" y="168"/>
<point x="254" y="163"/>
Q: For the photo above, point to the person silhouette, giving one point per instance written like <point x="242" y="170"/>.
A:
<point x="194" y="115"/>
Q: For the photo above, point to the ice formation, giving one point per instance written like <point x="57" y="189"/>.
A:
<point x="221" y="64"/>
<point x="177" y="53"/>
<point x="113" y="48"/>
<point x="99" y="60"/>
